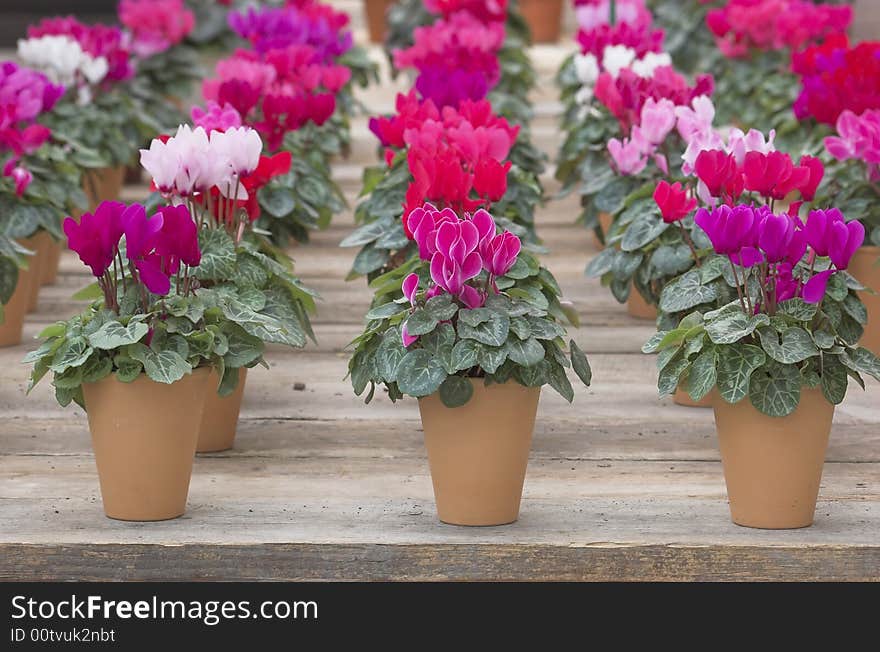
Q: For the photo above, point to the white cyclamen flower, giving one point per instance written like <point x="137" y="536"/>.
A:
<point x="61" y="59"/>
<point x="242" y="146"/>
<point x="646" y="66"/>
<point x="616" y="58"/>
<point x="587" y="68"/>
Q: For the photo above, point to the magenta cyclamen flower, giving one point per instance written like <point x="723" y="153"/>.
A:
<point x="830" y="235"/>
<point x="501" y="253"/>
<point x="732" y="232"/>
<point x="456" y="260"/>
<point x="423" y="223"/>
<point x="95" y="237"/>
<point x="779" y="238"/>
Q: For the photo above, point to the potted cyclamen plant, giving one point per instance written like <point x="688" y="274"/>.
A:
<point x="476" y="334"/>
<point x="852" y="183"/>
<point x="777" y="358"/>
<point x="37" y="184"/>
<point x="250" y="281"/>
<point x="100" y="121"/>
<point x="138" y="359"/>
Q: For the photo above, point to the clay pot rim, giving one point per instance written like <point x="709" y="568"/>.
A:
<point x="143" y="375"/>
<point x="715" y="397"/>
<point x="484" y="386"/>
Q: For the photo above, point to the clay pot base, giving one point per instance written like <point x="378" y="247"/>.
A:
<point x="865" y="267"/>
<point x="14" y="312"/>
<point x="637" y="307"/>
<point x="144" y="436"/>
<point x="773" y="466"/>
<point x="605" y="222"/>
<point x="544" y="18"/>
<point x="220" y="418"/>
<point x="103" y="184"/>
<point x="478" y="453"/>
<point x="377" y="24"/>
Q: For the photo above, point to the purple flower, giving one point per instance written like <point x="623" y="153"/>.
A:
<point x="845" y="240"/>
<point x="818" y="229"/>
<point x="779" y="238"/>
<point x="814" y="289"/>
<point x="456" y="260"/>
<point x="501" y="253"/>
<point x="732" y="232"/>
<point x="449" y="87"/>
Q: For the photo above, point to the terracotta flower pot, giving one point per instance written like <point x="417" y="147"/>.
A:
<point x="220" y="419"/>
<point x="12" y="323"/>
<point x="544" y="18"/>
<point x="478" y="453"/>
<point x="103" y="184"/>
<point x="865" y="266"/>
<point x="605" y="221"/>
<point x="377" y="23"/>
<point x="681" y="397"/>
<point x="38" y="243"/>
<point x="637" y="307"/>
<point x="773" y="466"/>
<point x="144" y="435"/>
<point x="51" y="262"/>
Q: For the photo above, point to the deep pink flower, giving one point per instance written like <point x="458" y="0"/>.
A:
<point x="673" y="201"/>
<point x="95" y="237"/>
<point x="156" y="25"/>
<point x="456" y="260"/>
<point x="490" y="178"/>
<point x="501" y="253"/>
<point x="215" y="117"/>
<point x="846" y="238"/>
<point x="719" y="172"/>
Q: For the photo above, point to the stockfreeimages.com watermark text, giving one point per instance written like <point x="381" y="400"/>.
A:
<point x="96" y="608"/>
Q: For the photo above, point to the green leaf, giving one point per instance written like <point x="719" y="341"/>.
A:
<point x="644" y="229"/>
<point x="389" y="354"/>
<point x="278" y="201"/>
<point x="580" y="364"/>
<point x="96" y="368"/>
<point x="670" y="377"/>
<point x="798" y="309"/>
<point x="702" y="376"/>
<point x="775" y="390"/>
<point x="420" y="374"/>
<point x="441" y="308"/>
<point x="834" y="379"/>
<point x="686" y="292"/>
<point x="560" y="382"/>
<point x="490" y="358"/>
<point x="456" y="391"/>
<point x="796" y="346"/>
<point x="491" y="332"/>
<point x="385" y="311"/>
<point x="164" y="366"/>
<point x="218" y="255"/>
<point x="475" y="317"/>
<point x="464" y="355"/>
<point x="733" y="325"/>
<point x="420" y="323"/>
<point x="736" y="364"/>
<point x="127" y="369"/>
<point x="72" y="353"/>
<point x="855" y="309"/>
<point x="113" y="335"/>
<point x="862" y="360"/>
<point x="525" y="352"/>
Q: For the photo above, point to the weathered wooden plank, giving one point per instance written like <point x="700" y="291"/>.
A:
<point x="672" y="440"/>
<point x="464" y="562"/>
